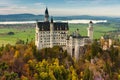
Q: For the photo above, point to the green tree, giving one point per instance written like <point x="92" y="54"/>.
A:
<point x="88" y="75"/>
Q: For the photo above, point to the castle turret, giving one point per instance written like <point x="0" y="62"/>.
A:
<point x="46" y="15"/>
<point x="51" y="32"/>
<point x="90" y="30"/>
<point x="77" y="49"/>
<point x="37" y="35"/>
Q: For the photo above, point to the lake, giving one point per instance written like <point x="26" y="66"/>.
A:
<point x="69" y="21"/>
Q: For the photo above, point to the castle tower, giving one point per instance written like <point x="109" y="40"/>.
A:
<point x="90" y="30"/>
<point x="51" y="32"/>
<point x="110" y="42"/>
<point x="37" y="36"/>
<point x="46" y="15"/>
<point x="76" y="49"/>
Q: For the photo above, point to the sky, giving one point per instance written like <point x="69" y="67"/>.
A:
<point x="62" y="7"/>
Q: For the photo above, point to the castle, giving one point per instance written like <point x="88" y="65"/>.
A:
<point x="50" y="33"/>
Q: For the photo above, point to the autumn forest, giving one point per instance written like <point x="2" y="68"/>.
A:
<point x="25" y="62"/>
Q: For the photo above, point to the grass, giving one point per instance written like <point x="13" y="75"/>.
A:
<point x="22" y="34"/>
<point x="99" y="29"/>
<point x="29" y="33"/>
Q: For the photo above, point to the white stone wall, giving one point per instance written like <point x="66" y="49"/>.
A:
<point x="50" y="38"/>
<point x="37" y="37"/>
<point x="44" y="39"/>
<point x="60" y="38"/>
<point x="51" y="35"/>
<point x="90" y="31"/>
<point x="76" y="44"/>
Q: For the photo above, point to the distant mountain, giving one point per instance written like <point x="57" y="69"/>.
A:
<point x="21" y="17"/>
<point x="87" y="17"/>
<point x="32" y="17"/>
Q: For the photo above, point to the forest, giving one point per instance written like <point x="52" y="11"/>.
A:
<point x="23" y="61"/>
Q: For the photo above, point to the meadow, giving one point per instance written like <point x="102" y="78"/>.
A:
<point x="29" y="33"/>
<point x="99" y="29"/>
<point x="19" y="34"/>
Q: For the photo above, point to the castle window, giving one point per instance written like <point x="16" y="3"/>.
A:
<point x="42" y="28"/>
<point x="60" y="28"/>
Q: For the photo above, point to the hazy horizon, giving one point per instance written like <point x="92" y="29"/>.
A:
<point x="61" y="15"/>
<point x="62" y="7"/>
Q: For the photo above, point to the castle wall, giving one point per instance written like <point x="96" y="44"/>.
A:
<point x="50" y="38"/>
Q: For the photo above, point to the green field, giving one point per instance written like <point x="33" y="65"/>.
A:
<point x="29" y="33"/>
<point x="22" y="34"/>
<point x="99" y="29"/>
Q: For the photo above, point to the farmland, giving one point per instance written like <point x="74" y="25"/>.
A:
<point x="24" y="33"/>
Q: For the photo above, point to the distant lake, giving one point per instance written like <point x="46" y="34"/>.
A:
<point x="69" y="21"/>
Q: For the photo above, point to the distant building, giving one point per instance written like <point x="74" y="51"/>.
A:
<point x="106" y="42"/>
<point x="50" y="33"/>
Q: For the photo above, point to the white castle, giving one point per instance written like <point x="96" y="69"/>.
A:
<point x="50" y="33"/>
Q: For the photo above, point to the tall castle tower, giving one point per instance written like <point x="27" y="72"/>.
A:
<point x="46" y="15"/>
<point x="90" y="30"/>
<point x="51" y="32"/>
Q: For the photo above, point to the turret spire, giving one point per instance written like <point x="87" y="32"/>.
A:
<point x="51" y="19"/>
<point x="46" y="15"/>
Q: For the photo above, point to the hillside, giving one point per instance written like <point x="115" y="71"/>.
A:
<point x="25" y="62"/>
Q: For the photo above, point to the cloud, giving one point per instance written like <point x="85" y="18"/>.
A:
<point x="5" y="3"/>
<point x="39" y="4"/>
<point x="95" y="11"/>
<point x="13" y="7"/>
<point x="78" y="1"/>
<point x="93" y="2"/>
<point x="70" y="7"/>
<point x="2" y="6"/>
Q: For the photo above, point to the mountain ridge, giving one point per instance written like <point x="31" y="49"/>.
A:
<point x="33" y="17"/>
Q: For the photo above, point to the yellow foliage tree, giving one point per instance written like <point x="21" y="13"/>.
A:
<point x="17" y="54"/>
